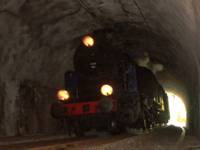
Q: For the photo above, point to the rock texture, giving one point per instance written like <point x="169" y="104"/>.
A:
<point x="38" y="39"/>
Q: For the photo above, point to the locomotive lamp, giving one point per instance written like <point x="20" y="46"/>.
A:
<point x="88" y="41"/>
<point x="106" y="90"/>
<point x="63" y="95"/>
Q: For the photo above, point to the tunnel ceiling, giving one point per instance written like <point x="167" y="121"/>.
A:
<point x="38" y="38"/>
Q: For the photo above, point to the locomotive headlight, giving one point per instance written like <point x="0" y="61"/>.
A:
<point x="88" y="41"/>
<point x="63" y="95"/>
<point x="106" y="90"/>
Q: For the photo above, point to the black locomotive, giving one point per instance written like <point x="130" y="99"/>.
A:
<point x="108" y="91"/>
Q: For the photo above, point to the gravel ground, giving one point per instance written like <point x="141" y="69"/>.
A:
<point x="170" y="138"/>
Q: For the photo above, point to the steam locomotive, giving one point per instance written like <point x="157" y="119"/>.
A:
<point x="109" y="91"/>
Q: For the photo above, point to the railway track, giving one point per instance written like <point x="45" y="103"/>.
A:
<point x="171" y="138"/>
<point x="60" y="142"/>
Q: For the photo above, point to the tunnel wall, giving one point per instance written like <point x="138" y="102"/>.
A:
<point x="25" y="109"/>
<point x="38" y="39"/>
<point x="23" y="57"/>
<point x="179" y="21"/>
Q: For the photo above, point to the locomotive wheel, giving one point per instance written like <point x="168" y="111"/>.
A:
<point x="78" y="128"/>
<point x="114" y="127"/>
<point x="57" y="111"/>
<point x="130" y="108"/>
<point x="129" y="115"/>
<point x="79" y="132"/>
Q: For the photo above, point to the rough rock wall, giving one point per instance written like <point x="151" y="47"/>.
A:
<point x="33" y="103"/>
<point x="180" y="21"/>
<point x="2" y="100"/>
<point x="26" y="54"/>
<point x="25" y="109"/>
<point x="38" y="39"/>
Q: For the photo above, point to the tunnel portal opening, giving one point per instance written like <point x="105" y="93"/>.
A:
<point x="178" y="113"/>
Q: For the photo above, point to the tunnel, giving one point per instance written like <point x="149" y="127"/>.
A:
<point x="39" y="39"/>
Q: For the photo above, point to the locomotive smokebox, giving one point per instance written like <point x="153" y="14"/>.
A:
<point x="105" y="104"/>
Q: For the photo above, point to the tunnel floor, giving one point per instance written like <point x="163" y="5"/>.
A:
<point x="166" y="138"/>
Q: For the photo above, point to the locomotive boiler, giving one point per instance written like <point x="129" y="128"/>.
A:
<point x="109" y="91"/>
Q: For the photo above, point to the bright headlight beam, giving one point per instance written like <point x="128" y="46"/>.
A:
<point x="106" y="90"/>
<point x="63" y="95"/>
<point x="88" y="41"/>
